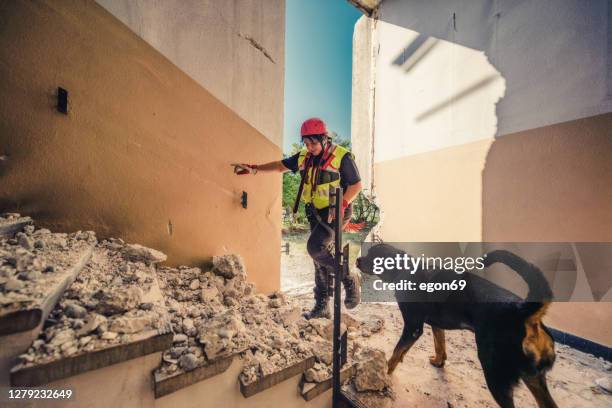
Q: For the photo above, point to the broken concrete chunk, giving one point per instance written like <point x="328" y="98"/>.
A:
<point x="316" y="375"/>
<point x="117" y="300"/>
<point x="129" y="325"/>
<point x="179" y="338"/>
<point x="188" y="361"/>
<point x="350" y="321"/>
<point x="266" y="368"/>
<point x="92" y="324"/>
<point x="14" y="284"/>
<point x="75" y="311"/>
<point x="229" y="266"/>
<point x="325" y="327"/>
<point x="605" y="383"/>
<point x="371" y="371"/>
<point x="24" y="241"/>
<point x="139" y="253"/>
<point x="275" y="303"/>
<point x="62" y="337"/>
<point x="374" y="324"/>
<point x="195" y="284"/>
<point x="109" y="335"/>
<point x="210" y="294"/>
<point x="323" y="351"/>
<point x="291" y="315"/>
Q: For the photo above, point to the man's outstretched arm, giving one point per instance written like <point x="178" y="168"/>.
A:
<point x="275" y="166"/>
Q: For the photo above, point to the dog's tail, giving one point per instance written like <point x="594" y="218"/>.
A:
<point x="540" y="294"/>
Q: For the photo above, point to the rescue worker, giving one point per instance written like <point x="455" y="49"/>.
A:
<point x="324" y="165"/>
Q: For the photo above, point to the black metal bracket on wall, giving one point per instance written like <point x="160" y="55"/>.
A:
<point x="62" y="100"/>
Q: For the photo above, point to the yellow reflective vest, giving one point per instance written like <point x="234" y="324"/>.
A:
<point x="325" y="176"/>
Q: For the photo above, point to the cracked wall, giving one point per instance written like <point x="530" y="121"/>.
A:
<point x="234" y="49"/>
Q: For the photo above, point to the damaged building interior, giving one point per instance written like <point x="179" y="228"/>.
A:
<point x="137" y="270"/>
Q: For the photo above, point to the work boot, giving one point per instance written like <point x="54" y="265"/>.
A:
<point x="320" y="309"/>
<point x="352" y="290"/>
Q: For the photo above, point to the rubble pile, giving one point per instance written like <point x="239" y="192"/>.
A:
<point x="204" y="317"/>
<point x="34" y="261"/>
<point x="216" y="314"/>
<point x="115" y="299"/>
<point x="121" y="296"/>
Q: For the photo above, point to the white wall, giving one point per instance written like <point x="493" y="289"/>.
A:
<point x="216" y="43"/>
<point x="362" y="106"/>
<point x="457" y="71"/>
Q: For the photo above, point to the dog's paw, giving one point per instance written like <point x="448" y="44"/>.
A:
<point x="437" y="362"/>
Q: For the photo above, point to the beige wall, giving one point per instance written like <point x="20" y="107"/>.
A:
<point x="433" y="196"/>
<point x="550" y="184"/>
<point x="555" y="184"/>
<point x="144" y="146"/>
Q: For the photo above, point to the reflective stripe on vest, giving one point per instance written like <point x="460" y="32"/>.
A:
<point x="329" y="176"/>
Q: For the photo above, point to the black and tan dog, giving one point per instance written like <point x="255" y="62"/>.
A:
<point x="512" y="341"/>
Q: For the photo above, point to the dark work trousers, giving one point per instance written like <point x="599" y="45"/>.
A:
<point x="319" y="247"/>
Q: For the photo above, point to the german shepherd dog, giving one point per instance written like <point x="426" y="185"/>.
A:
<point x="512" y="341"/>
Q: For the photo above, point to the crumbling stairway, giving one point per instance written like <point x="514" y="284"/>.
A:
<point x="103" y="320"/>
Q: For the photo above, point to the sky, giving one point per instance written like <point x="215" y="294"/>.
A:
<point x="318" y="60"/>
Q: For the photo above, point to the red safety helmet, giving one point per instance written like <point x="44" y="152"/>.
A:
<point x="313" y="126"/>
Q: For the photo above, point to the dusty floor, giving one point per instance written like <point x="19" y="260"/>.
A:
<point x="460" y="383"/>
<point x="297" y="270"/>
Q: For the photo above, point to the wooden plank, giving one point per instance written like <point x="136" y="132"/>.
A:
<point x="320" y="388"/>
<point x="8" y="228"/>
<point x="168" y="385"/>
<point x="147" y="343"/>
<point x="270" y="380"/>
<point x="28" y="318"/>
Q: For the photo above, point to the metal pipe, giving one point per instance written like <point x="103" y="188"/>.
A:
<point x="337" y="341"/>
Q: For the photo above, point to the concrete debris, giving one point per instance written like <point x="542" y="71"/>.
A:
<point x="75" y="310"/>
<point x="188" y="361"/>
<point x="8" y="216"/>
<point x="139" y="253"/>
<point x="318" y="373"/>
<point x="371" y="371"/>
<point x="113" y="300"/>
<point x="220" y="316"/>
<point x="121" y="294"/>
<point x="94" y="321"/>
<point x="605" y="383"/>
<point x="109" y="335"/>
<point x="33" y="263"/>
<point x="229" y="266"/>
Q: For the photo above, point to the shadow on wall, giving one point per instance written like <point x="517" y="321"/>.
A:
<point x="534" y="158"/>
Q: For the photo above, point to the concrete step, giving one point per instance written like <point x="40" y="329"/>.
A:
<point x="145" y="343"/>
<point x="37" y="266"/>
<point x="272" y="379"/>
<point x="112" y="313"/>
<point x="167" y="384"/>
<point x="224" y="390"/>
<point x="312" y="390"/>
<point x="24" y="310"/>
